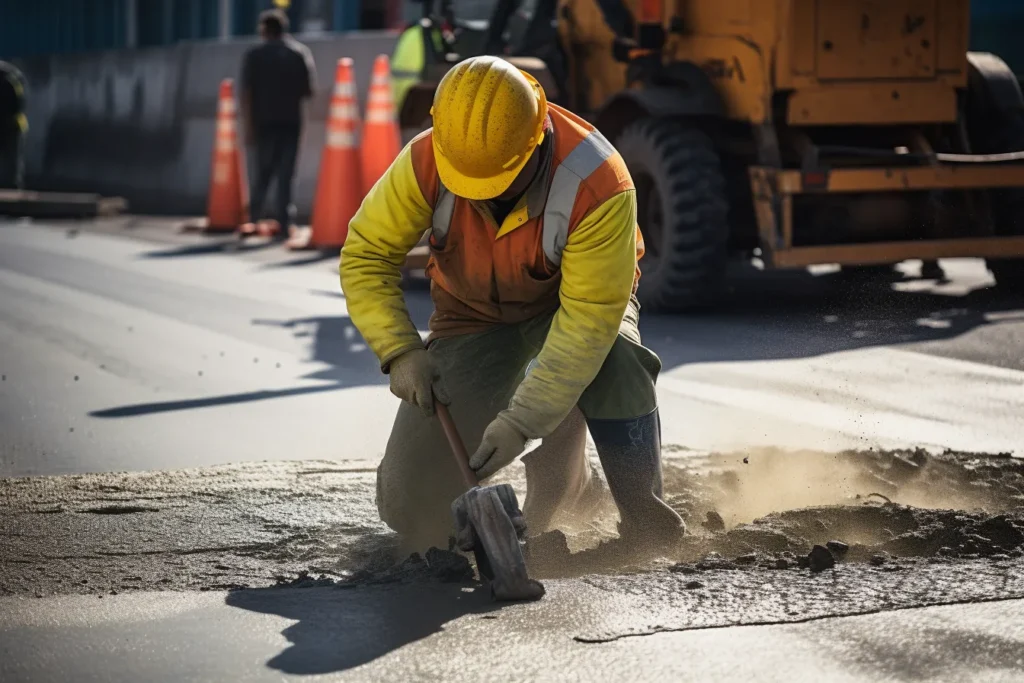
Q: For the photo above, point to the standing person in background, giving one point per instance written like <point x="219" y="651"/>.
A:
<point x="13" y="126"/>
<point x="278" y="77"/>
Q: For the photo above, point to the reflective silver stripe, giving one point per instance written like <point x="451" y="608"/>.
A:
<point x="586" y="158"/>
<point x="443" y="210"/>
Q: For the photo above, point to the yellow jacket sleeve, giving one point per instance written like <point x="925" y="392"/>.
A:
<point x="389" y="223"/>
<point x="598" y="267"/>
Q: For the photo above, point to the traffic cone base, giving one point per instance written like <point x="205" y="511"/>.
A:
<point x="228" y="195"/>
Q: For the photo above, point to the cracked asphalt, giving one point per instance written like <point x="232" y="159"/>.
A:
<point x="191" y="430"/>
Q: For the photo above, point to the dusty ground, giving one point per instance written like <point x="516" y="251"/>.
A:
<point x="901" y="542"/>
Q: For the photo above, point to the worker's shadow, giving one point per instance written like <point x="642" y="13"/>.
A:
<point x="339" y="628"/>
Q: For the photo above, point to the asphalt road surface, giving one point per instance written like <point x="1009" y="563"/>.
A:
<point x="125" y="346"/>
<point x="128" y="347"/>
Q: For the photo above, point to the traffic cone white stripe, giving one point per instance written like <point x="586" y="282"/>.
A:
<point x="341" y="139"/>
<point x="221" y="173"/>
<point x="379" y="116"/>
<point x="227" y="107"/>
<point x="345" y="111"/>
<point x="345" y="90"/>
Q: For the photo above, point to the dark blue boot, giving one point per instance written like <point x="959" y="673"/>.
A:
<point x="630" y="452"/>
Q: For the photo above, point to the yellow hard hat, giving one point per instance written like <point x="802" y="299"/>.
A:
<point x="488" y="118"/>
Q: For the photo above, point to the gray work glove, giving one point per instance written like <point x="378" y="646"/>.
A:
<point x="501" y="444"/>
<point x="415" y="379"/>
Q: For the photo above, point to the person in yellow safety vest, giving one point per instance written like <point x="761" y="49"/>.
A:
<point x="534" y="250"/>
<point x="407" y="62"/>
<point x="13" y="126"/>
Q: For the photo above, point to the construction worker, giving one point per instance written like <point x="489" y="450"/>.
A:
<point x="13" y="126"/>
<point x="534" y="242"/>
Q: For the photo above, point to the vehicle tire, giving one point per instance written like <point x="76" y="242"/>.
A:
<point x="995" y="124"/>
<point x="1008" y="205"/>
<point x="682" y="210"/>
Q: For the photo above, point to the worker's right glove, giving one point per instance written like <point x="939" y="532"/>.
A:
<point x="415" y="379"/>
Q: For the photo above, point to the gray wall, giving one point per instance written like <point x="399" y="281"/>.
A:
<point x="139" y="123"/>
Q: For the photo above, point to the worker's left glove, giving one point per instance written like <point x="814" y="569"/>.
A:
<point x="501" y="444"/>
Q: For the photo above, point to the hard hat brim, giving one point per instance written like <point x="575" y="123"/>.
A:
<point x="479" y="188"/>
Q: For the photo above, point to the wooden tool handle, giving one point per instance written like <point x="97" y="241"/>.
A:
<point x="458" y="447"/>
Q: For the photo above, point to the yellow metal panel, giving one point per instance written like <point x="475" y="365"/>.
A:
<point x="873" y="103"/>
<point x="894" y="252"/>
<point x="803" y="45"/>
<point x="589" y="49"/>
<point x="864" y="39"/>
<point x="953" y="32"/>
<point x="721" y="17"/>
<point x="896" y="179"/>
<point x="738" y="71"/>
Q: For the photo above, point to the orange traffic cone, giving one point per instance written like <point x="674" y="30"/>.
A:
<point x="229" y="194"/>
<point x="382" y="140"/>
<point x="338" y="187"/>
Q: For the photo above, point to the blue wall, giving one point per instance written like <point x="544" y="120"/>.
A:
<point x="56" y="26"/>
<point x="998" y="26"/>
<point x="44" y="27"/>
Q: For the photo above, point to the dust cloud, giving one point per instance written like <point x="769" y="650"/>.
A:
<point x="771" y="508"/>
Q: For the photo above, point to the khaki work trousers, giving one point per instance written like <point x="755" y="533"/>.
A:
<point x="418" y="479"/>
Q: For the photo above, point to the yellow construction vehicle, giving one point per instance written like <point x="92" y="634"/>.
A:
<point x="799" y="132"/>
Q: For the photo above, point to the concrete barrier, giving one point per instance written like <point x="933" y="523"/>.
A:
<point x="139" y="123"/>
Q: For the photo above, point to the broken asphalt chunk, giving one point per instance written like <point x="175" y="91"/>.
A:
<point x="837" y="547"/>
<point x="714" y="521"/>
<point x="820" y="559"/>
<point x="449" y="567"/>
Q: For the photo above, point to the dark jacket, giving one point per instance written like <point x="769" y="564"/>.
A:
<point x="278" y="75"/>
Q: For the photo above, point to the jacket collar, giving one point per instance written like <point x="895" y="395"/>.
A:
<point x="531" y="203"/>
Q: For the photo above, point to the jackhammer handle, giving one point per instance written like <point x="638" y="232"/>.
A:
<point x="458" y="447"/>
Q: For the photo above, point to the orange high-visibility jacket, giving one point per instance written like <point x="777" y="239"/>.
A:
<point x="571" y="245"/>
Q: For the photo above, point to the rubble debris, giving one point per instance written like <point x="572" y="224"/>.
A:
<point x="303" y="580"/>
<point x="435" y="565"/>
<point x="713" y="521"/>
<point x="837" y="547"/>
<point x="715" y="561"/>
<point x="263" y="520"/>
<point x="118" y="510"/>
<point x="449" y="567"/>
<point x="820" y="559"/>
